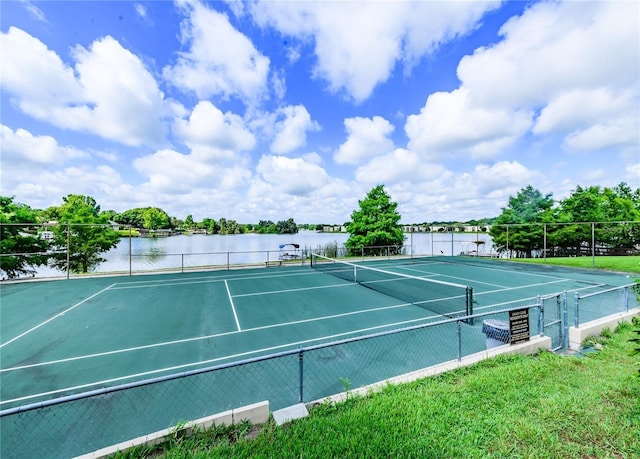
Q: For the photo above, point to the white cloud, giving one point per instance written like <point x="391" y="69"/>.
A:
<point x="450" y="124"/>
<point x="219" y="60"/>
<point x="568" y="60"/>
<point x="367" y="138"/>
<point x="292" y="176"/>
<point x="207" y="126"/>
<point x="387" y="32"/>
<point x="632" y="173"/>
<point x="113" y="94"/>
<point x="22" y="146"/>
<point x="556" y="47"/>
<point x="398" y="166"/>
<point x="291" y="130"/>
<point x="169" y="171"/>
<point x="42" y="187"/>
<point x="34" y="11"/>
<point x="141" y="10"/>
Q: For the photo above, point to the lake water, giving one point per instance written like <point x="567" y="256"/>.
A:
<point x="145" y="254"/>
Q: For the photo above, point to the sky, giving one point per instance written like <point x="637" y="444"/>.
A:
<point x="297" y="109"/>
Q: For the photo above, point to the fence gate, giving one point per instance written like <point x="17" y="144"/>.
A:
<point x="554" y="309"/>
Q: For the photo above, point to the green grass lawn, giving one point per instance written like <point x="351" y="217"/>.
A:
<point x="543" y="406"/>
<point x="628" y="264"/>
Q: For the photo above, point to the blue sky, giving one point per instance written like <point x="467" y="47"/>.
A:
<point x="270" y="110"/>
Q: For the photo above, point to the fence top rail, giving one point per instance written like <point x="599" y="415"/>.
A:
<point x="124" y="226"/>
<point x="589" y="295"/>
<point x="146" y="382"/>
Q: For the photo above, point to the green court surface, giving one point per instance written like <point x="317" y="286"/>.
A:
<point x="68" y="336"/>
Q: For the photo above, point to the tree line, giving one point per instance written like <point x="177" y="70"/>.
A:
<point x="530" y="222"/>
<point x="78" y="232"/>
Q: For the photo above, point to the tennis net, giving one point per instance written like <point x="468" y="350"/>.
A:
<point x="443" y="298"/>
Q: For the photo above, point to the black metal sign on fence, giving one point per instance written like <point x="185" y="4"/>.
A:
<point x="519" y="326"/>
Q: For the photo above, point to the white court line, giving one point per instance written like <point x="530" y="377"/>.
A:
<point x="55" y="317"/>
<point x="521" y="287"/>
<point x="296" y="289"/>
<point x="488" y="268"/>
<point x="201" y="280"/>
<point x="204" y="362"/>
<point x="233" y="308"/>
<point x="200" y="338"/>
<point x="432" y="274"/>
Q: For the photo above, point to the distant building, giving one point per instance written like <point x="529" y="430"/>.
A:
<point x="334" y="229"/>
<point x="47" y="235"/>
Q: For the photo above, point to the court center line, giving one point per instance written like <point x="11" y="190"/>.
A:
<point x="204" y="362"/>
<point x="55" y="317"/>
<point x="233" y="307"/>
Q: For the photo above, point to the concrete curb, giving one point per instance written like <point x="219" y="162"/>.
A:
<point x="595" y="327"/>
<point x="258" y="413"/>
<point x="533" y="345"/>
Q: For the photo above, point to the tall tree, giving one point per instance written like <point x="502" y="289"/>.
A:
<point x="154" y="218"/>
<point x="595" y="204"/>
<point x="21" y="240"/>
<point x="287" y="227"/>
<point x="83" y="232"/>
<point x="518" y="227"/>
<point x="375" y="224"/>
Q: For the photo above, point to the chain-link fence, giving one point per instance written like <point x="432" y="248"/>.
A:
<point x="588" y="307"/>
<point x="566" y="239"/>
<point x="85" y="422"/>
<point x="59" y="250"/>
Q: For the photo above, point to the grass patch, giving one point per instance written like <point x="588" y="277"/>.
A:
<point x="539" y="406"/>
<point x="628" y="264"/>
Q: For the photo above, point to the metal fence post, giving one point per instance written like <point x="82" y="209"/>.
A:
<point x="626" y="298"/>
<point x="301" y="375"/>
<point x="459" y="334"/>
<point x="130" y="269"/>
<point x="182" y="262"/>
<point x="576" y="319"/>
<point x="540" y="316"/>
<point x="68" y="250"/>
<point x="544" y="250"/>
<point x="565" y="321"/>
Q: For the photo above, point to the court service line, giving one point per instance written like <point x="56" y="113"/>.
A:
<point x="432" y="274"/>
<point x="202" y="280"/>
<point x="200" y="338"/>
<point x="204" y="362"/>
<point x="521" y="287"/>
<point x="55" y="317"/>
<point x="491" y="268"/>
<point x="295" y="290"/>
<point x="233" y="307"/>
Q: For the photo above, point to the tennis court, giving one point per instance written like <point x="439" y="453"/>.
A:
<point x="69" y="336"/>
